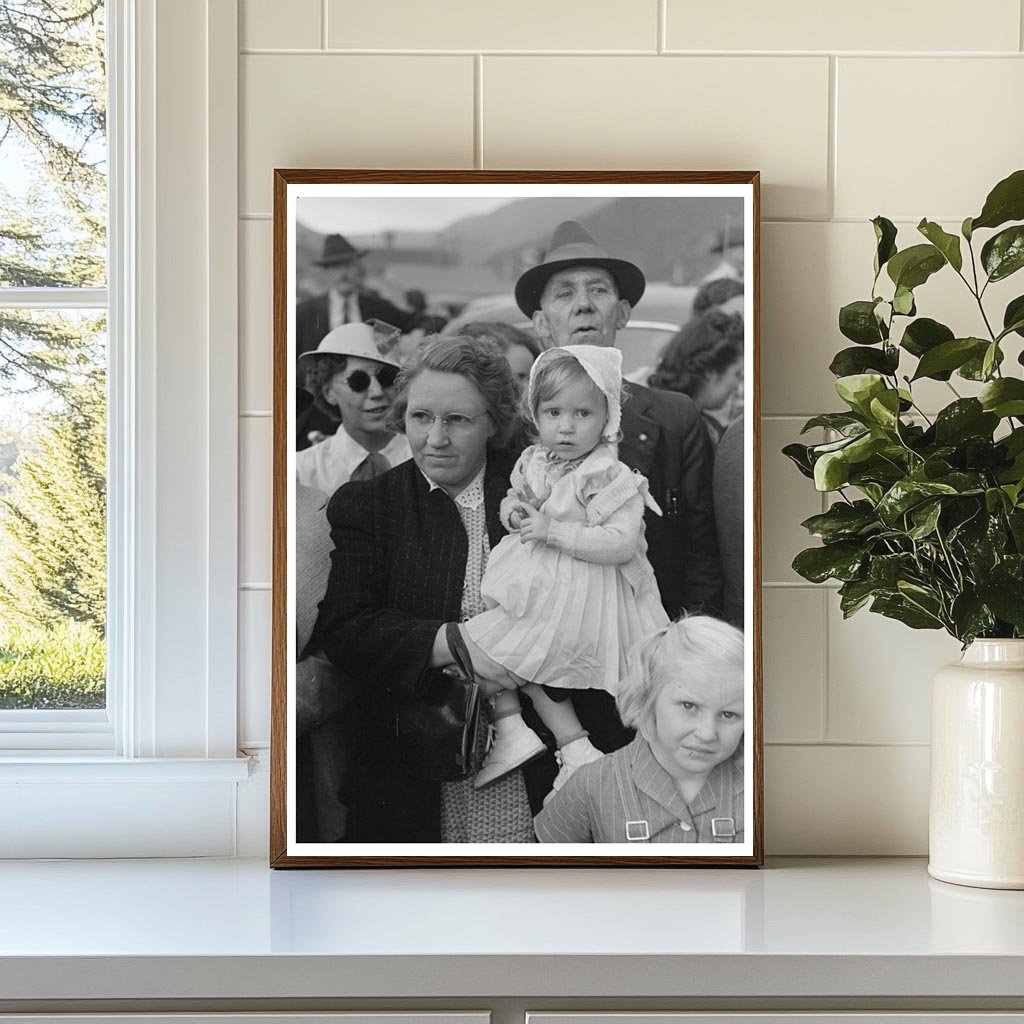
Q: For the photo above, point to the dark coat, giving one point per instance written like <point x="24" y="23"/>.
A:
<point x="663" y="436"/>
<point x="396" y="576"/>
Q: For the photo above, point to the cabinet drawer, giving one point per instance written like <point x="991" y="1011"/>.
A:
<point x="360" y="1017"/>
<point x="776" y="1018"/>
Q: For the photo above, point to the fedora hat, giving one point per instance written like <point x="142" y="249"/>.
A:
<point x="572" y="246"/>
<point x="338" y="249"/>
<point x="360" y="340"/>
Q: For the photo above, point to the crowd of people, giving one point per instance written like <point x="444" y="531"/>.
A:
<point x="500" y="504"/>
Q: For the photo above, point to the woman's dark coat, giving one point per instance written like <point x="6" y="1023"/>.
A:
<point x="396" y="575"/>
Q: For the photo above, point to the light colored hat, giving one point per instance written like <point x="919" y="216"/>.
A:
<point x="603" y="366"/>
<point x="572" y="246"/>
<point x="361" y="340"/>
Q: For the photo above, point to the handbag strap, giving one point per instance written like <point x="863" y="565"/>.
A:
<point x="457" y="645"/>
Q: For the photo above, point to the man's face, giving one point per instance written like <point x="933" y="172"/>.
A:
<point x="348" y="277"/>
<point x="580" y="306"/>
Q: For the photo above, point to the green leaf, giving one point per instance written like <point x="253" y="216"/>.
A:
<point x="849" y="361"/>
<point x="925" y="518"/>
<point x="858" y="389"/>
<point x="947" y="244"/>
<point x="903" y="302"/>
<point x="966" y="417"/>
<point x="885" y="571"/>
<point x="971" y="617"/>
<point x="840" y="561"/>
<point x="965" y="229"/>
<point x="904" y="495"/>
<point x="833" y="420"/>
<point x="854" y="594"/>
<point x="1013" y="317"/>
<point x="900" y="609"/>
<point x="799" y="455"/>
<point x="912" y="267"/>
<point x="885" y="236"/>
<point x="843" y="521"/>
<point x="1003" y="254"/>
<point x="831" y="471"/>
<point x="1005" y="202"/>
<point x="974" y="368"/>
<point x="990" y="360"/>
<point x="1006" y="599"/>
<point x="885" y="409"/>
<point x="857" y="321"/>
<point x="950" y="355"/>
<point x="1004" y="397"/>
<point x="925" y="334"/>
<point x="864" y="447"/>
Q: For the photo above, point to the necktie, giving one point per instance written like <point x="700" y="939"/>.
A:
<point x="373" y="465"/>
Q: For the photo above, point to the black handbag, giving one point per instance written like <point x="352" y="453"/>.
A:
<point x="436" y="734"/>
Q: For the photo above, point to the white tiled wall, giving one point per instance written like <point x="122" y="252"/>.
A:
<point x="909" y="110"/>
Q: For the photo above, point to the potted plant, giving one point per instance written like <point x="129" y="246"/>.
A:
<point x="927" y="521"/>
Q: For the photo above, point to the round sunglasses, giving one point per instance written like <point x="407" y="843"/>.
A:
<point x="359" y="380"/>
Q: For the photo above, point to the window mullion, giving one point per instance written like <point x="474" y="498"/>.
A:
<point x="53" y="298"/>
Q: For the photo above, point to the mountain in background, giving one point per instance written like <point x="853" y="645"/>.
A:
<point x="671" y="239"/>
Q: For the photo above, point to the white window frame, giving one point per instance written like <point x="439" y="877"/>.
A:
<point x="158" y="773"/>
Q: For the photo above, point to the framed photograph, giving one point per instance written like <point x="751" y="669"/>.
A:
<point x="516" y="608"/>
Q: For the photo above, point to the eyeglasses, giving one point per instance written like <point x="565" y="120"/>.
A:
<point x="359" y="380"/>
<point x="455" y="424"/>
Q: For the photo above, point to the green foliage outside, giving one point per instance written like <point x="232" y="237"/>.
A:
<point x="59" y="667"/>
<point x="52" y="366"/>
<point x="928" y="522"/>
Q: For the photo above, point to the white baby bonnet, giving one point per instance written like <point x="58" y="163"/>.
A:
<point x="604" y="367"/>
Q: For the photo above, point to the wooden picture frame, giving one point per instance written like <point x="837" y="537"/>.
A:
<point x="686" y="227"/>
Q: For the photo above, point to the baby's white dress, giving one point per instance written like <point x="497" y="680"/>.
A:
<point x="566" y="613"/>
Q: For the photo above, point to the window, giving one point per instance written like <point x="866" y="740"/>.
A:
<point x="155" y="772"/>
<point x="53" y="371"/>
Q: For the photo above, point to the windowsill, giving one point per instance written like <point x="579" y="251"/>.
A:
<point x="78" y="766"/>
<point x="822" y="929"/>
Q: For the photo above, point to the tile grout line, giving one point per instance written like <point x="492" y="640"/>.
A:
<point x="851" y="744"/>
<point x="832" y="169"/>
<point x="260" y="51"/>
<point x="478" y="111"/>
<point x="825" y="651"/>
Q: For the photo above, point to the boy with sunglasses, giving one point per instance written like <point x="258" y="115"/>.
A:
<point x="351" y="375"/>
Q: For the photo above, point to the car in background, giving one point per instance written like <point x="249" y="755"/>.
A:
<point x="663" y="309"/>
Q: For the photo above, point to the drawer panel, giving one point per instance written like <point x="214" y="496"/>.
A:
<point x="776" y="1018"/>
<point x="361" y="1017"/>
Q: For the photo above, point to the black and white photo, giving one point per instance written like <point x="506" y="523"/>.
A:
<point x="516" y="613"/>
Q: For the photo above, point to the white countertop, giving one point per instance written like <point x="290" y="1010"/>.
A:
<point x="235" y="929"/>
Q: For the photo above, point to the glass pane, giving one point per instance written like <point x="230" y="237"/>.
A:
<point x="53" y="445"/>
<point x="53" y="147"/>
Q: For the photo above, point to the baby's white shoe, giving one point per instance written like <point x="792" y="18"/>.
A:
<point x="573" y="756"/>
<point x="515" y="743"/>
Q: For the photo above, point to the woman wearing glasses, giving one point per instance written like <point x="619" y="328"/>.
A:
<point x="410" y="550"/>
<point x="350" y="377"/>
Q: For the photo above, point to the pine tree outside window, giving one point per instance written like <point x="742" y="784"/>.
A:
<point x="53" y="369"/>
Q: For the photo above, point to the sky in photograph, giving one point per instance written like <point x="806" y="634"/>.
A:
<point x="361" y="215"/>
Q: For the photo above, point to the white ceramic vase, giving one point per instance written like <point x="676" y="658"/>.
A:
<point x="976" y="814"/>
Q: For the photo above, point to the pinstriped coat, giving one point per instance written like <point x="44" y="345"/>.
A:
<point x="396" y="576"/>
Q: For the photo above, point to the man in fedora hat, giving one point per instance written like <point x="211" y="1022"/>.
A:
<point x="346" y="301"/>
<point x="580" y="295"/>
